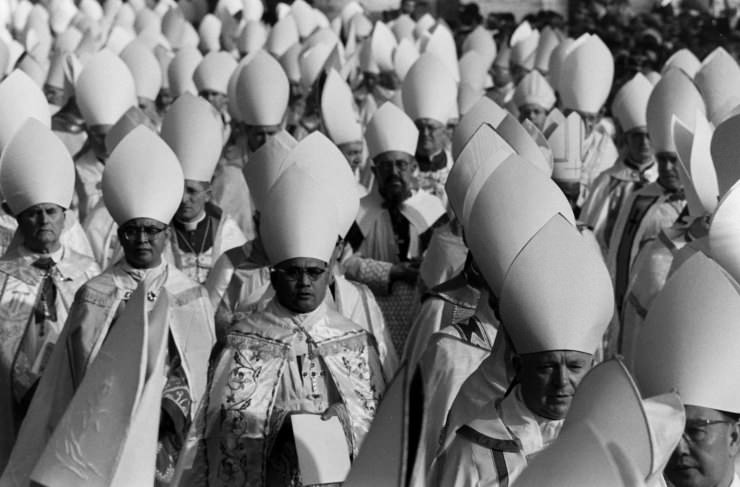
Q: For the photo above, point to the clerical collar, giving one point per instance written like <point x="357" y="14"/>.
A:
<point x="141" y="274"/>
<point x="56" y="256"/>
<point x="433" y="163"/>
<point x="636" y="167"/>
<point x="193" y="224"/>
<point x="303" y="320"/>
<point x="533" y="431"/>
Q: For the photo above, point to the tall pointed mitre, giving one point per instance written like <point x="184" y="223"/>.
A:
<point x="181" y="69"/>
<point x="326" y="164"/>
<point x="20" y="99"/>
<point x="213" y="72"/>
<point x="692" y="321"/>
<point x="523" y="143"/>
<point x="549" y="40"/>
<point x="312" y="61"/>
<point x="133" y="117"/>
<point x="145" y="69"/>
<point x="684" y="60"/>
<point x="105" y="89"/>
<point x="533" y="89"/>
<point x="523" y="42"/>
<point x="674" y="95"/>
<point x="717" y="80"/>
<point x="142" y="179"/>
<point x="516" y="197"/>
<point x="630" y="103"/>
<point x="423" y="25"/>
<point x="338" y="111"/>
<point x="557" y="293"/>
<point x="484" y="111"/>
<point x="382" y="45"/>
<point x="724" y="232"/>
<point x="441" y="43"/>
<point x="193" y="130"/>
<point x="298" y="219"/>
<point x="282" y="35"/>
<point x="36" y="168"/>
<point x="289" y="62"/>
<point x="481" y="41"/>
<point x="695" y="168"/>
<point x="304" y="18"/>
<point x="724" y="148"/>
<point x="557" y="58"/>
<point x="209" y="31"/>
<point x="119" y="394"/>
<point x="586" y="75"/>
<point x="582" y="458"/>
<point x="266" y="164"/>
<point x="252" y="37"/>
<point x="473" y="70"/>
<point x="404" y="57"/>
<point x="429" y="90"/>
<point x="480" y="156"/>
<point x="566" y="142"/>
<point x="648" y="429"/>
<point x="263" y="91"/>
<point x="403" y="27"/>
<point x="390" y="129"/>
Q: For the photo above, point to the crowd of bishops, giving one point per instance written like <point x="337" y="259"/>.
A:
<point x="250" y="244"/>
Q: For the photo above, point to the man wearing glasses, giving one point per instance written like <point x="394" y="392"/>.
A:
<point x="140" y="206"/>
<point x="688" y="344"/>
<point x="296" y="357"/>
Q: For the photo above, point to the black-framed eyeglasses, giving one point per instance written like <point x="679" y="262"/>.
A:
<point x="296" y="273"/>
<point x="150" y="231"/>
<point x="697" y="431"/>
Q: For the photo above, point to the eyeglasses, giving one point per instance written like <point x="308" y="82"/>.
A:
<point x="295" y="273"/>
<point x="131" y="233"/>
<point x="697" y="431"/>
<point x="388" y="165"/>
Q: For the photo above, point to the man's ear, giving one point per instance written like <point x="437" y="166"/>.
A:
<point x="734" y="438"/>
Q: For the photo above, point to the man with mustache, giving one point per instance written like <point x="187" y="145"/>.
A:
<point x="393" y="224"/>
<point x="39" y="277"/>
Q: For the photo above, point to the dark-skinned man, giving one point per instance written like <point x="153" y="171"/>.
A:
<point x="332" y="368"/>
<point x="201" y="231"/>
<point x="389" y="238"/>
<point x="41" y="275"/>
<point x="141" y="207"/>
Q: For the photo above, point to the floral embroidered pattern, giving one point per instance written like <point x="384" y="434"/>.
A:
<point x="358" y="367"/>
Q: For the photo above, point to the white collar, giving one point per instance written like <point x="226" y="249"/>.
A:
<point x="56" y="256"/>
<point x="193" y="224"/>
<point x="141" y="274"/>
<point x="533" y="432"/>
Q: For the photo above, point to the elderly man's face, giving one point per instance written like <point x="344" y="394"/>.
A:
<point x="549" y="380"/>
<point x="143" y="240"/>
<point x="41" y="226"/>
<point x="194" y="199"/>
<point x="705" y="455"/>
<point x="534" y="113"/>
<point x="638" y="145"/>
<point x="353" y="153"/>
<point x="96" y="135"/>
<point x="393" y="170"/>
<point x="431" y="137"/>
<point x="257" y="135"/>
<point x="300" y="284"/>
<point x="668" y="171"/>
<point x="217" y="99"/>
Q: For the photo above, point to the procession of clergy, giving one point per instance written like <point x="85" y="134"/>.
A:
<point x="360" y="252"/>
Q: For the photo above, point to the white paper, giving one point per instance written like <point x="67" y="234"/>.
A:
<point x="323" y="455"/>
